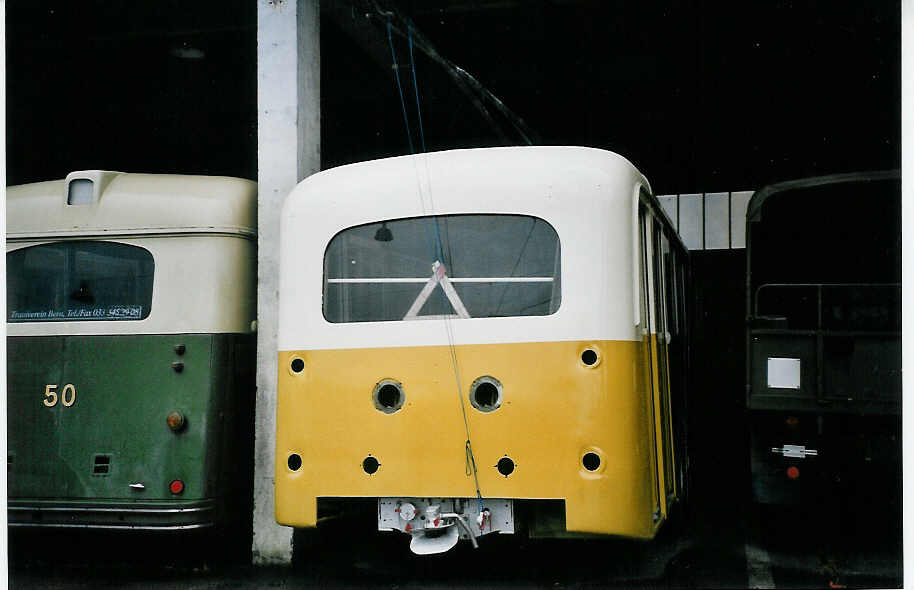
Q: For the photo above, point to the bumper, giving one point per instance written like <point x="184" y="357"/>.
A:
<point x="163" y="517"/>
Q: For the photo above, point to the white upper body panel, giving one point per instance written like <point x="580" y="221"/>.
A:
<point x="199" y="230"/>
<point x="201" y="285"/>
<point x="587" y="195"/>
<point x="133" y="204"/>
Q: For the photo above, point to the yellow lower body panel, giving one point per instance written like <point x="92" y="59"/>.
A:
<point x="555" y="409"/>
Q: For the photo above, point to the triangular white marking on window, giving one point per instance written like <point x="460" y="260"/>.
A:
<point x="439" y="277"/>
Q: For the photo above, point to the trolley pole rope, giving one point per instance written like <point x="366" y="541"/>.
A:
<point x="437" y="248"/>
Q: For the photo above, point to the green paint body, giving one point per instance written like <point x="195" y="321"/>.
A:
<point x="126" y="386"/>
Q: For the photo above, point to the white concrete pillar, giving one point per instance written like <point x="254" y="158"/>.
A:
<point x="288" y="150"/>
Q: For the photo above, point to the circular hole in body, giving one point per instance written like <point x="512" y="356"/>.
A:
<point x="294" y="461"/>
<point x="590" y="461"/>
<point x="370" y="465"/>
<point x="388" y="396"/>
<point x="505" y="466"/>
<point x="589" y="357"/>
<point x="297" y="365"/>
<point x="486" y="394"/>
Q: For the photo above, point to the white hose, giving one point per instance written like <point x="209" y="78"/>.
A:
<point x="465" y="526"/>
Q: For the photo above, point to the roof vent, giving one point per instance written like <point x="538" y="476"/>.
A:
<point x="80" y="191"/>
<point x="86" y="186"/>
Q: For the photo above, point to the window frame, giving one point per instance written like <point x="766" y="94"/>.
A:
<point x="143" y="300"/>
<point x="446" y="282"/>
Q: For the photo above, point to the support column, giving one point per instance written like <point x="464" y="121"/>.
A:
<point x="288" y="150"/>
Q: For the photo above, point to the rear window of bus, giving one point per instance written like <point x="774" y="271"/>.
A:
<point x="462" y="266"/>
<point x="78" y="281"/>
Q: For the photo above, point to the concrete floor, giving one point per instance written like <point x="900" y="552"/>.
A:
<point x="737" y="548"/>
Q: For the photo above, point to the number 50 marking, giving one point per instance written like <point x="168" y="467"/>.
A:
<point x="67" y="396"/>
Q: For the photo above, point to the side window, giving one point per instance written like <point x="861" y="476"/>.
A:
<point x="670" y="282"/>
<point x="79" y="281"/>
<point x="644" y="228"/>
<point x="661" y="322"/>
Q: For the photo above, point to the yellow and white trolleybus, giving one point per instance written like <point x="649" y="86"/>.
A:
<point x="485" y="340"/>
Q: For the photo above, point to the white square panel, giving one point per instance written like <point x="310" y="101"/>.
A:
<point x="668" y="202"/>
<point x="739" y="201"/>
<point x="717" y="221"/>
<point x="691" y="223"/>
<point x="783" y="373"/>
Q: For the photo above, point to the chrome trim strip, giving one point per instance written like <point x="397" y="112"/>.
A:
<point x="113" y="527"/>
<point x="80" y="509"/>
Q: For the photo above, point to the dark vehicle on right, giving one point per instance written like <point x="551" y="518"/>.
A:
<point x="823" y="379"/>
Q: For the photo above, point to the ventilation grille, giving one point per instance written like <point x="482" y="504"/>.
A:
<point x="102" y="465"/>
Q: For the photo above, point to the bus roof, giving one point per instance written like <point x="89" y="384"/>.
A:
<point x="515" y="179"/>
<point x="116" y="203"/>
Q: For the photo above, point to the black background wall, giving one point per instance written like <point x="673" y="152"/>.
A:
<point x="701" y="96"/>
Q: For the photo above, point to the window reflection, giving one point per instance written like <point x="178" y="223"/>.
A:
<point x="73" y="281"/>
<point x="445" y="266"/>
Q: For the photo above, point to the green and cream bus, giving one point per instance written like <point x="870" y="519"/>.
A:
<point x="131" y="301"/>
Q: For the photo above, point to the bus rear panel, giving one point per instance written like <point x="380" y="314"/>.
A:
<point x="130" y="354"/>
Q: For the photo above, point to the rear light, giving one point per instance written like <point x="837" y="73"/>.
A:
<point x="792" y="421"/>
<point x="176" y="487"/>
<point x="793" y="472"/>
<point x="175" y="421"/>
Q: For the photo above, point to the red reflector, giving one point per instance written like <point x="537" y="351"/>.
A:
<point x="793" y="472"/>
<point x="176" y="487"/>
<point x="792" y="421"/>
<point x="175" y="421"/>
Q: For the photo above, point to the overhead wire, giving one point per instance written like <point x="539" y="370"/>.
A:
<point x="470" y="459"/>
<point x="478" y="94"/>
<point x="396" y="69"/>
<point x="520" y="257"/>
<point x="412" y="67"/>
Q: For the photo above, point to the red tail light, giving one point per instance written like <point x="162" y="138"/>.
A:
<point x="175" y="421"/>
<point x="176" y="487"/>
<point x="793" y="472"/>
